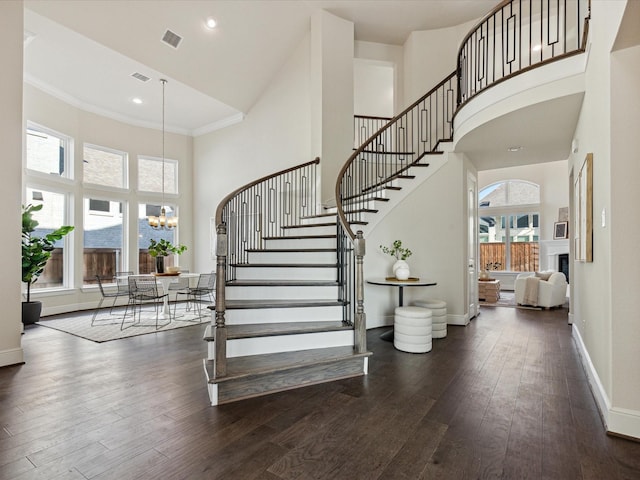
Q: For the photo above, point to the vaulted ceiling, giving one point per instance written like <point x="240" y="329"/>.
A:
<point x="86" y="51"/>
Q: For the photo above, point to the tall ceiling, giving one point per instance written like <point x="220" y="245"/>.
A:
<point x="86" y="51"/>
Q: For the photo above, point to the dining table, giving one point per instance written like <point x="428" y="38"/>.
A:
<point x="165" y="280"/>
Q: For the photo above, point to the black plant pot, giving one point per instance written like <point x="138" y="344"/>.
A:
<point x="31" y="312"/>
<point x="159" y="264"/>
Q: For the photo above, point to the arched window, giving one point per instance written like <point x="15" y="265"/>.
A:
<point x="509" y="226"/>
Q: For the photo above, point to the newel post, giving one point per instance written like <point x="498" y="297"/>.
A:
<point x="360" y="320"/>
<point x="220" y="329"/>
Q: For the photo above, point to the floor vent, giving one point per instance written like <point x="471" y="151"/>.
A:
<point x="171" y="38"/>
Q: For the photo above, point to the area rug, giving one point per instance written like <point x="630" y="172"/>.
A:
<point x="507" y="299"/>
<point x="107" y="326"/>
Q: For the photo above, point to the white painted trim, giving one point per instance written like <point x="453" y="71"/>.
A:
<point x="212" y="388"/>
<point x="599" y="393"/>
<point x="620" y="421"/>
<point x="11" y="356"/>
<point x="219" y="125"/>
<point x="462" y="320"/>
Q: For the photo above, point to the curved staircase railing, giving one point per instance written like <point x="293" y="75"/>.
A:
<point x="519" y="35"/>
<point x="516" y="36"/>
<point x="248" y="215"/>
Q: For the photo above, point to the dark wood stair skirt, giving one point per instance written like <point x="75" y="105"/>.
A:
<point x="256" y="375"/>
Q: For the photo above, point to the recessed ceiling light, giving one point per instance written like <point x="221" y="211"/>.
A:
<point x="137" y="100"/>
<point x="515" y="148"/>
<point x="210" y="23"/>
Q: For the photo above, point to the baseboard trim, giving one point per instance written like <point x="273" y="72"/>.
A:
<point x="617" y="421"/>
<point x="13" y="356"/>
<point x="461" y="320"/>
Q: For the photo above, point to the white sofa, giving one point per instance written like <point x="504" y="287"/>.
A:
<point x="551" y="292"/>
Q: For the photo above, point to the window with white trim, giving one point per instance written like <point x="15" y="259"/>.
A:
<point x="104" y="166"/>
<point x="48" y="151"/>
<point x="509" y="226"/>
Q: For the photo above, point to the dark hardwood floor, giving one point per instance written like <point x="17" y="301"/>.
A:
<point x="505" y="397"/>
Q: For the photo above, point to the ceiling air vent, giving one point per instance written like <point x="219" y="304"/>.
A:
<point x="171" y="38"/>
<point x="141" y="77"/>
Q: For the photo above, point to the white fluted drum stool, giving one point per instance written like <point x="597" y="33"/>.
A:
<point x="412" y="329"/>
<point x="438" y="310"/>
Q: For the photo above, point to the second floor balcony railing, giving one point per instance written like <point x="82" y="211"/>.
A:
<point x="519" y="35"/>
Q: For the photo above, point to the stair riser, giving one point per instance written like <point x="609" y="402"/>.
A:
<point x="321" y="230"/>
<point x="285" y="273"/>
<point x="281" y="293"/>
<point x="270" y="315"/>
<point x="317" y="220"/>
<point x="233" y="390"/>
<point x="292" y="257"/>
<point x="301" y="243"/>
<point x="285" y="343"/>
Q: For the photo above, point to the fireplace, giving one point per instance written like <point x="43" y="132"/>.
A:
<point x="563" y="264"/>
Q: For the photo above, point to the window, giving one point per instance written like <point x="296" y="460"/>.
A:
<point x="509" y="226"/>
<point x="103" y="252"/>
<point x="47" y="151"/>
<point x="105" y="167"/>
<point x="52" y="216"/>
<point x="146" y="264"/>
<point x="150" y="175"/>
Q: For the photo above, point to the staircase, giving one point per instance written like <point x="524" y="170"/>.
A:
<point x="289" y="306"/>
<point x="286" y="320"/>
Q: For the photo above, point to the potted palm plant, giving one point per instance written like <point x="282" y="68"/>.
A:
<point x="36" y="251"/>
<point x="161" y="249"/>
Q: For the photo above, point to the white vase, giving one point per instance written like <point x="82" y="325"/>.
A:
<point x="401" y="270"/>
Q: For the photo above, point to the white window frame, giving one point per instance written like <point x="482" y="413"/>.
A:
<point x="167" y="161"/>
<point x="68" y="153"/>
<point x="125" y="168"/>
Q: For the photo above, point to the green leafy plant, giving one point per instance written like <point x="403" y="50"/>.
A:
<point x="162" y="248"/>
<point x="396" y="250"/>
<point x="36" y="251"/>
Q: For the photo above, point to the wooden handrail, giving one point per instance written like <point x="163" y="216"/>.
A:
<point x="253" y="212"/>
<point x="226" y="199"/>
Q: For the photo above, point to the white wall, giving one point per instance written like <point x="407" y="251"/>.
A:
<point x="373" y="89"/>
<point x="83" y="126"/>
<point x="431" y="222"/>
<point x="605" y="331"/>
<point x="383" y="54"/>
<point x="332" y="47"/>
<point x="429" y="57"/>
<point x="11" y="13"/>
<point x="275" y="135"/>
<point x="625" y="230"/>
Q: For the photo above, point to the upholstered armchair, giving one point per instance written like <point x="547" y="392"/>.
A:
<point x="551" y="291"/>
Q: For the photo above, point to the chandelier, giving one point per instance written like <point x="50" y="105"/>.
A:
<point x="162" y="221"/>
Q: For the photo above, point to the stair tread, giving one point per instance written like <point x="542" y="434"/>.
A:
<point x="388" y="153"/>
<point x="299" y="237"/>
<point x="239" y="367"/>
<point x="307" y="225"/>
<point x="281" y="303"/>
<point x="253" y="330"/>
<point x="283" y="283"/>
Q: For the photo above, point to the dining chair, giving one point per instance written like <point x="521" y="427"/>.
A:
<point x="204" y="288"/>
<point x="120" y="292"/>
<point x="143" y="290"/>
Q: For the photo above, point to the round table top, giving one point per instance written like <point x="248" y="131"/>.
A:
<point x="411" y="282"/>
